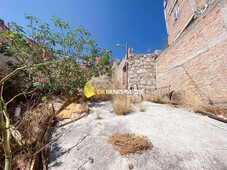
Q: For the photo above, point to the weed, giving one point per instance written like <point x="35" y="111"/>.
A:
<point x="121" y="104"/>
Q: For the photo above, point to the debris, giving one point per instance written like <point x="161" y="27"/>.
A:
<point x="98" y="114"/>
<point x="91" y="159"/>
<point x="73" y="110"/>
<point x="17" y="136"/>
<point x="17" y="111"/>
<point x="130" y="166"/>
<point x="127" y="143"/>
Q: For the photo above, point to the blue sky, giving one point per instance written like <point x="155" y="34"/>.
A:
<point x="139" y="22"/>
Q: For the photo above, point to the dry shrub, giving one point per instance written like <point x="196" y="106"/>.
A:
<point x="32" y="128"/>
<point x="127" y="143"/>
<point x="101" y="83"/>
<point x="156" y="98"/>
<point x="114" y="85"/>
<point x="34" y="122"/>
<point x="121" y="104"/>
<point x="190" y="100"/>
<point x="136" y="99"/>
<point x="100" y="97"/>
<point x="22" y="162"/>
<point x="141" y="107"/>
<point x="111" y="85"/>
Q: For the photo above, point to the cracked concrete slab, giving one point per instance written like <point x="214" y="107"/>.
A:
<point x="181" y="140"/>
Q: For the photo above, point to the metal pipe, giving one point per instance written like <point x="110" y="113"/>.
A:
<point x="126" y="65"/>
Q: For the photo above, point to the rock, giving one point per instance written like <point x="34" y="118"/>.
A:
<point x="130" y="166"/>
<point x="178" y="143"/>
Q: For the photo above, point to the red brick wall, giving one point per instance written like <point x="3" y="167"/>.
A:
<point x="186" y="13"/>
<point x="200" y="4"/>
<point x="198" y="58"/>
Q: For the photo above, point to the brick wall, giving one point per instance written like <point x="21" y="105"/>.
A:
<point x="200" y="4"/>
<point x="197" y="61"/>
<point x="175" y="27"/>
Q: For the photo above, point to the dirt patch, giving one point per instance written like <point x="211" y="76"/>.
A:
<point x="127" y="143"/>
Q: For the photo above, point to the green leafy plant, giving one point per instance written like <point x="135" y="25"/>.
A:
<point x="51" y="61"/>
<point x="75" y="46"/>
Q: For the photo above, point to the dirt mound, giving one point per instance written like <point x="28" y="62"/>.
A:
<point x="127" y="143"/>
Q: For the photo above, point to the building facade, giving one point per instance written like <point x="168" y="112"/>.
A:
<point x="196" y="59"/>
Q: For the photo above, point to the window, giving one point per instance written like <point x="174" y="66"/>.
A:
<point x="165" y="3"/>
<point x="176" y="12"/>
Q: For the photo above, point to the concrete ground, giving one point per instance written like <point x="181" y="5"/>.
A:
<point x="181" y="140"/>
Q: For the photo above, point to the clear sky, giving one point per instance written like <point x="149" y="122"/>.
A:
<point x="139" y="22"/>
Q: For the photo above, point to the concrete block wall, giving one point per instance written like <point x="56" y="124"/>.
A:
<point x="197" y="61"/>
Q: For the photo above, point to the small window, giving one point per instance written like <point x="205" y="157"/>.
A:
<point x="176" y="12"/>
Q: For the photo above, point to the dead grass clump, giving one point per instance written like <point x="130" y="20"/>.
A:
<point x="141" y="107"/>
<point x="115" y="84"/>
<point x="101" y="84"/>
<point x="100" y="97"/>
<point x="127" y="143"/>
<point x="201" y="106"/>
<point x="136" y="99"/>
<point x="156" y="99"/>
<point x="121" y="104"/>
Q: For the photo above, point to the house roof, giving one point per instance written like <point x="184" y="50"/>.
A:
<point x="2" y="25"/>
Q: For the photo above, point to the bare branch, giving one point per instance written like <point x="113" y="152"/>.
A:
<point x="23" y="93"/>
<point x="1" y="93"/>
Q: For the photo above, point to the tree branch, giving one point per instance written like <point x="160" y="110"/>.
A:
<point x="24" y="67"/>
<point x="23" y="93"/>
<point x="1" y="93"/>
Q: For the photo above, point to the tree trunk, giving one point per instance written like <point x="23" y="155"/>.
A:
<point x="5" y="132"/>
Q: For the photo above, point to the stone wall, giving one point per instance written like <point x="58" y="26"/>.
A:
<point x="141" y="72"/>
<point x="197" y="61"/>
